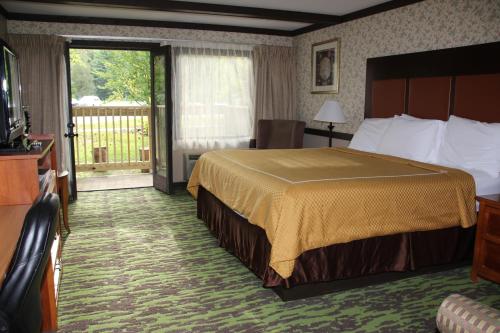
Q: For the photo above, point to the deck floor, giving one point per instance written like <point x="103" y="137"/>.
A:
<point x="114" y="182"/>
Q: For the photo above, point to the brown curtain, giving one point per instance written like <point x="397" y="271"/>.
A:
<point x="274" y="73"/>
<point x="44" y="88"/>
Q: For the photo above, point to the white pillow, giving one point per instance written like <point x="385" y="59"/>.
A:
<point x="412" y="139"/>
<point x="471" y="144"/>
<point x="434" y="154"/>
<point x="407" y="116"/>
<point x="369" y="134"/>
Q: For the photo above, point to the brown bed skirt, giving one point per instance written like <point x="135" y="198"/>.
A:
<point x="394" y="253"/>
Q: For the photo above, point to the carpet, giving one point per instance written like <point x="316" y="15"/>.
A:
<point x="140" y="261"/>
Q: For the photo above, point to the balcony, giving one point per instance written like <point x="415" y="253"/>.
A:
<point x="112" y="137"/>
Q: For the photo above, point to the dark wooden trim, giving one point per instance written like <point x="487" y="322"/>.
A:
<point x="111" y="45"/>
<point x="207" y="8"/>
<point x="407" y="95"/>
<point x="383" y="7"/>
<point x="4" y="12"/>
<point x="320" y="21"/>
<point x="309" y="28"/>
<point x="145" y="23"/>
<point x="451" y="109"/>
<point x="464" y="60"/>
<point x="325" y="133"/>
<point x="368" y="90"/>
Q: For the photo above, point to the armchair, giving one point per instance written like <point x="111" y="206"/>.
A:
<point x="279" y="134"/>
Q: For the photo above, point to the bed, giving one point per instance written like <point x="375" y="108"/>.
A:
<point x="461" y="81"/>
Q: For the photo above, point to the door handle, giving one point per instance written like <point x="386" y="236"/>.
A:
<point x="70" y="133"/>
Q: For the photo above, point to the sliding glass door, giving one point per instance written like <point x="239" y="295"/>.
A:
<point x="161" y="102"/>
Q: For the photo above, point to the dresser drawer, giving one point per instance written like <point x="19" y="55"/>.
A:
<point x="491" y="256"/>
<point x="492" y="222"/>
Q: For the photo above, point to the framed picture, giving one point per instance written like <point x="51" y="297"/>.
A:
<point x="325" y="67"/>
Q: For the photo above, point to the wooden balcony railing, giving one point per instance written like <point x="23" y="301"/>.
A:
<point x="112" y="137"/>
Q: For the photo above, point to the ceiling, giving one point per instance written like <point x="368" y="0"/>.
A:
<point x="277" y="17"/>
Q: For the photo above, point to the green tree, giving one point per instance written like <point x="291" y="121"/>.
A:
<point x="82" y="80"/>
<point x="97" y="60"/>
<point x="159" y="70"/>
<point x="111" y="75"/>
<point x="126" y="74"/>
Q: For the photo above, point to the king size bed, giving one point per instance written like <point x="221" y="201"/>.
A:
<point x="300" y="218"/>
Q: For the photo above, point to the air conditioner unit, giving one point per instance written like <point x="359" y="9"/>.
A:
<point x="189" y="162"/>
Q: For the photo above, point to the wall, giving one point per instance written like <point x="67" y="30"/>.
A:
<point x="122" y="32"/>
<point x="145" y="33"/>
<point x="427" y="25"/>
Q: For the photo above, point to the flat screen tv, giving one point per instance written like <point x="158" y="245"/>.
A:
<point x="11" y="111"/>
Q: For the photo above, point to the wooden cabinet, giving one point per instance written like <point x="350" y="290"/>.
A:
<point x="24" y="176"/>
<point x="20" y="171"/>
<point x="487" y="247"/>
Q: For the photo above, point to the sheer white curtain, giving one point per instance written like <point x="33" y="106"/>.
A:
<point x="213" y="89"/>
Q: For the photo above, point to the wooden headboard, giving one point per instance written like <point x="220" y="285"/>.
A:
<point x="463" y="81"/>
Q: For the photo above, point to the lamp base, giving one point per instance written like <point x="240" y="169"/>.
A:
<point x="330" y="128"/>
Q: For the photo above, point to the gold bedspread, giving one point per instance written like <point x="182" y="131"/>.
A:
<point x="310" y="198"/>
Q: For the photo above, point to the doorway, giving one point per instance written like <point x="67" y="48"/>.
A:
<point x="116" y="126"/>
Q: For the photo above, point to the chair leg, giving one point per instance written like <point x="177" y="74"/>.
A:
<point x="63" y="193"/>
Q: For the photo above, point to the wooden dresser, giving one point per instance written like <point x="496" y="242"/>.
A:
<point x="24" y="176"/>
<point x="487" y="247"/>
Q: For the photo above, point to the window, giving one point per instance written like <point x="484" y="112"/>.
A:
<point x="212" y="88"/>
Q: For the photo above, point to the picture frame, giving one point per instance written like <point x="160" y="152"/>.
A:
<point x="325" y="69"/>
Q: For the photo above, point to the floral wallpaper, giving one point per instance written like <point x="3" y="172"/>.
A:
<point x="146" y="33"/>
<point x="427" y="25"/>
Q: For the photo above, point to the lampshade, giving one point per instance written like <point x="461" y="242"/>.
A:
<point x="330" y="112"/>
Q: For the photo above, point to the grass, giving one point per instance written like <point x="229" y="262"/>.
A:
<point x="124" y="145"/>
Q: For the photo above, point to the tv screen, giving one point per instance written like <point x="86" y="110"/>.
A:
<point x="11" y="111"/>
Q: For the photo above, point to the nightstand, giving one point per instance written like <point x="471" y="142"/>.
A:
<point x="487" y="247"/>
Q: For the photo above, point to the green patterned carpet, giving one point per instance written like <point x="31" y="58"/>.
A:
<point x="140" y="261"/>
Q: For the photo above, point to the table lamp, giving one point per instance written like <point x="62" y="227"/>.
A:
<point x="330" y="112"/>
